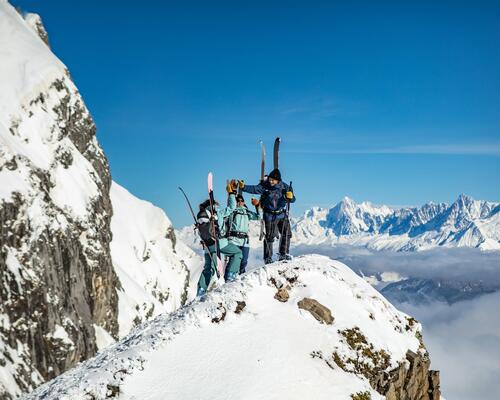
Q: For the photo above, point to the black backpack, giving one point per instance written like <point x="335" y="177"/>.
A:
<point x="204" y="228"/>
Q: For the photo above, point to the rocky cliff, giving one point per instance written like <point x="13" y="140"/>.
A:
<point x="57" y="277"/>
<point x="82" y="260"/>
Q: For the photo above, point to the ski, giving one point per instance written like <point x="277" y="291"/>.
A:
<point x="276" y="153"/>
<point x="262" y="176"/>
<point x="196" y="222"/>
<point x="262" y="161"/>
<point x="213" y="223"/>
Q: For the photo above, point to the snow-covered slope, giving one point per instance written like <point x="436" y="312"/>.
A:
<point x="155" y="270"/>
<point x="307" y="329"/>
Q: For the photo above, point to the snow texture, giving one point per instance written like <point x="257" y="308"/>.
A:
<point x="157" y="273"/>
<point x="266" y="350"/>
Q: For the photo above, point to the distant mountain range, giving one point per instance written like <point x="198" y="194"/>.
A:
<point x="417" y="291"/>
<point x="465" y="223"/>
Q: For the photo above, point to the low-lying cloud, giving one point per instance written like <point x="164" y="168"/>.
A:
<point x="455" y="264"/>
<point x="463" y="338"/>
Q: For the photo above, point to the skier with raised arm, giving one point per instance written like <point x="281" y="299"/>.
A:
<point x="238" y="224"/>
<point x="275" y="196"/>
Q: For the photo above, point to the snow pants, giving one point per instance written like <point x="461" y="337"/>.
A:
<point x="210" y="268"/>
<point x="245" y="251"/>
<point x="277" y="229"/>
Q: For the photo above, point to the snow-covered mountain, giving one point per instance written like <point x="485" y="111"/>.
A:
<point x="465" y="223"/>
<point x="310" y="328"/>
<point x="82" y="261"/>
<point x="419" y="292"/>
<point x="157" y="272"/>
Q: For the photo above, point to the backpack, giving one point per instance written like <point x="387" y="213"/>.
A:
<point x="228" y="223"/>
<point x="204" y="228"/>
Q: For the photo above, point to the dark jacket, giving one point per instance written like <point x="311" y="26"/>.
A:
<point x="272" y="199"/>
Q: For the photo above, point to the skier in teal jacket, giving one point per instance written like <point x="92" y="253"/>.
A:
<point x="239" y="225"/>
<point x="225" y="245"/>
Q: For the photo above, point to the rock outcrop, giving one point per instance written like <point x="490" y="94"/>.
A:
<point x="317" y="310"/>
<point x="57" y="277"/>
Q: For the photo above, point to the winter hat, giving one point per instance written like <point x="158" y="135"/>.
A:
<point x="275" y="174"/>
<point x="206" y="204"/>
<point x="240" y="197"/>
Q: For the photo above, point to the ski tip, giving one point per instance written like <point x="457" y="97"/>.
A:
<point x="278" y="139"/>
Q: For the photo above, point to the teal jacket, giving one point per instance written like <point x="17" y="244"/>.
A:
<point x="223" y="213"/>
<point x="240" y="223"/>
<point x="239" y="218"/>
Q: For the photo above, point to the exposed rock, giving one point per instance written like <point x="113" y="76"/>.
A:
<point x="240" y="305"/>
<point x="412" y="380"/>
<point x="282" y="295"/>
<point x="220" y="314"/>
<point x="56" y="276"/>
<point x="35" y="22"/>
<point x="317" y="310"/>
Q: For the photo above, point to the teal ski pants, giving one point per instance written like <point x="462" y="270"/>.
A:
<point x="210" y="269"/>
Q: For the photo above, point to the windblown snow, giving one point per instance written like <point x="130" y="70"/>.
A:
<point x="242" y="343"/>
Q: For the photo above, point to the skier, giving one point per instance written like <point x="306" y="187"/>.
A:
<point x="209" y="241"/>
<point x="274" y="197"/>
<point x="238" y="227"/>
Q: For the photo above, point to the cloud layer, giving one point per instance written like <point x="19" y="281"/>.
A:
<point x="463" y="338"/>
<point x="464" y="343"/>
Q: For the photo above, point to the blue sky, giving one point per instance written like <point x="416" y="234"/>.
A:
<point x="393" y="103"/>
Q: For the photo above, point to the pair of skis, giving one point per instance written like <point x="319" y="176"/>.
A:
<point x="276" y="155"/>
<point x="213" y="225"/>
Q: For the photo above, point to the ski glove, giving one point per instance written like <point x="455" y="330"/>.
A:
<point x="241" y="183"/>
<point x="229" y="188"/>
<point x="255" y="202"/>
<point x="289" y="195"/>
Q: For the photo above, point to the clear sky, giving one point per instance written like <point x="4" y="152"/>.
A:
<point x="393" y="103"/>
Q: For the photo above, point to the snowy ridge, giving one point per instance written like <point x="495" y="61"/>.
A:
<point x="157" y="273"/>
<point x="241" y="334"/>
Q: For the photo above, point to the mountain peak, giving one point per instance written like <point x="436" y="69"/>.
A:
<point x="464" y="199"/>
<point x="302" y="321"/>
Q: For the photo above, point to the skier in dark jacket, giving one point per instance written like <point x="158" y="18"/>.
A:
<point x="274" y="197"/>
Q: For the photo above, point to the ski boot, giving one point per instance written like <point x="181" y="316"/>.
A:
<point x="231" y="277"/>
<point x="284" y="257"/>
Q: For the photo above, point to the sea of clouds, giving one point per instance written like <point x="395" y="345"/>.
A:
<point x="463" y="338"/>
